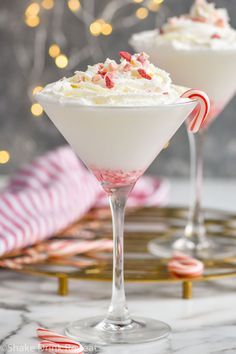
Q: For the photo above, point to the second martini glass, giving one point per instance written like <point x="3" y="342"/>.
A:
<point x="198" y="50"/>
<point x="117" y="144"/>
<point x="213" y="74"/>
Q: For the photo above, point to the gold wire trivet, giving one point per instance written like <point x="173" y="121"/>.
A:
<point x="142" y="225"/>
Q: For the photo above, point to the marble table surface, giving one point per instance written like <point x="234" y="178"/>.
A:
<point x="204" y="325"/>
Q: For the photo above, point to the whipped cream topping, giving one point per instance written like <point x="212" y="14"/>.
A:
<point x="204" y="26"/>
<point x="132" y="81"/>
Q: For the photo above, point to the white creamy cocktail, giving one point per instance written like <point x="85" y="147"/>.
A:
<point x="118" y="131"/>
<point x="198" y="50"/>
<point x="118" y="117"/>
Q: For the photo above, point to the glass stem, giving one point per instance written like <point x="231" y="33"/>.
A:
<point x="118" y="312"/>
<point x="195" y="229"/>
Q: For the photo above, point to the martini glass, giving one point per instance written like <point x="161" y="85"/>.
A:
<point x="210" y="70"/>
<point x="117" y="144"/>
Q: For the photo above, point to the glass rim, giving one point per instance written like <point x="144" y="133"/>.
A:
<point x="72" y="102"/>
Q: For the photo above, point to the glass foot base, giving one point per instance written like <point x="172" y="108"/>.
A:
<point x="214" y="248"/>
<point x="96" y="330"/>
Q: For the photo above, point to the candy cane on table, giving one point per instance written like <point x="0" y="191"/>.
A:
<point x="200" y="113"/>
<point x="11" y="264"/>
<point x="71" y="247"/>
<point x="58" y="343"/>
<point x="31" y="259"/>
<point x="61" y="248"/>
<point x="73" y="262"/>
<point x="107" y="245"/>
<point x="19" y="262"/>
<point x="186" y="267"/>
<point x="104" y="244"/>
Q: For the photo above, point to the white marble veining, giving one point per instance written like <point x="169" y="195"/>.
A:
<point x="204" y="325"/>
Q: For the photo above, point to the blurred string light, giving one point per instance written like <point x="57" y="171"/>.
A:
<point x="106" y="29"/>
<point x="47" y="4"/>
<point x="54" y="50"/>
<point x="32" y="18"/>
<point x="142" y="13"/>
<point x="74" y="5"/>
<point x="36" y="109"/>
<point x="84" y="11"/>
<point x="36" y="89"/>
<point x="153" y="5"/>
<point x="33" y="9"/>
<point x="95" y="28"/>
<point x="32" y="21"/>
<point x="61" y="61"/>
<point x="4" y="156"/>
<point x="100" y="27"/>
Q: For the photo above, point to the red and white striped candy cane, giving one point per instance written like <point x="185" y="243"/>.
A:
<point x="57" y="343"/>
<point x="11" y="264"/>
<point x="19" y="262"/>
<point x="72" y="247"/>
<point x="104" y="245"/>
<point x="186" y="267"/>
<point x="200" y="113"/>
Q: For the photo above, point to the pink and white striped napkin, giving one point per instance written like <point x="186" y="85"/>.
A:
<point x="52" y="192"/>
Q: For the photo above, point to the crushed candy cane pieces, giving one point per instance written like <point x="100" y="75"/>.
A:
<point x="216" y="36"/>
<point x="102" y="71"/>
<point x="109" y="82"/>
<point x="144" y="74"/>
<point x="126" y="55"/>
<point x="111" y="73"/>
<point x="142" y="58"/>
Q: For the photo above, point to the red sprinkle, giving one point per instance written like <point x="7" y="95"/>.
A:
<point x="102" y="72"/>
<point x="109" y="82"/>
<point x="216" y="36"/>
<point x="142" y="58"/>
<point x="127" y="67"/>
<point x="126" y="55"/>
<point x="144" y="74"/>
